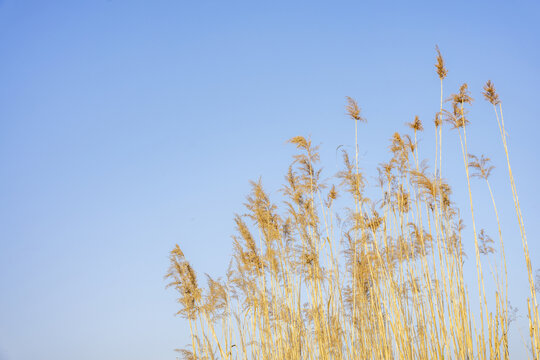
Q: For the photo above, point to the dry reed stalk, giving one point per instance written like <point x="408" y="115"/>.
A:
<point x="534" y="319"/>
<point x="383" y="280"/>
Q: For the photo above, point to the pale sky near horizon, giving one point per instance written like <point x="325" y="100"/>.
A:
<point x="129" y="126"/>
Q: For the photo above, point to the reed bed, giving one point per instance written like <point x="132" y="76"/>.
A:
<point x="380" y="279"/>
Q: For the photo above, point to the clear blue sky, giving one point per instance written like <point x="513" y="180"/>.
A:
<point x="128" y="126"/>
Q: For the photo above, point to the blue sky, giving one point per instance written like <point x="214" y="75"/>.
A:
<point x="129" y="126"/>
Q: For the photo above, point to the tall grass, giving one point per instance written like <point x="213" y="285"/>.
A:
<point x="381" y="279"/>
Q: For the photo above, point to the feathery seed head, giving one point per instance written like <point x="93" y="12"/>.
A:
<point x="456" y="117"/>
<point x="299" y="141"/>
<point x="332" y="195"/>
<point x="480" y="166"/>
<point x="463" y="97"/>
<point x="490" y="94"/>
<point x="438" y="119"/>
<point x="353" y="110"/>
<point x="441" y="70"/>
<point x="416" y="125"/>
<point x="176" y="251"/>
<point x="485" y="243"/>
<point x="184" y="280"/>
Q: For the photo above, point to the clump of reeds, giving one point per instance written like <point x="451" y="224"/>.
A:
<point x="381" y="279"/>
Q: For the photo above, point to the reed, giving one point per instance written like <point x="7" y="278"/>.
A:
<point x="379" y="278"/>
